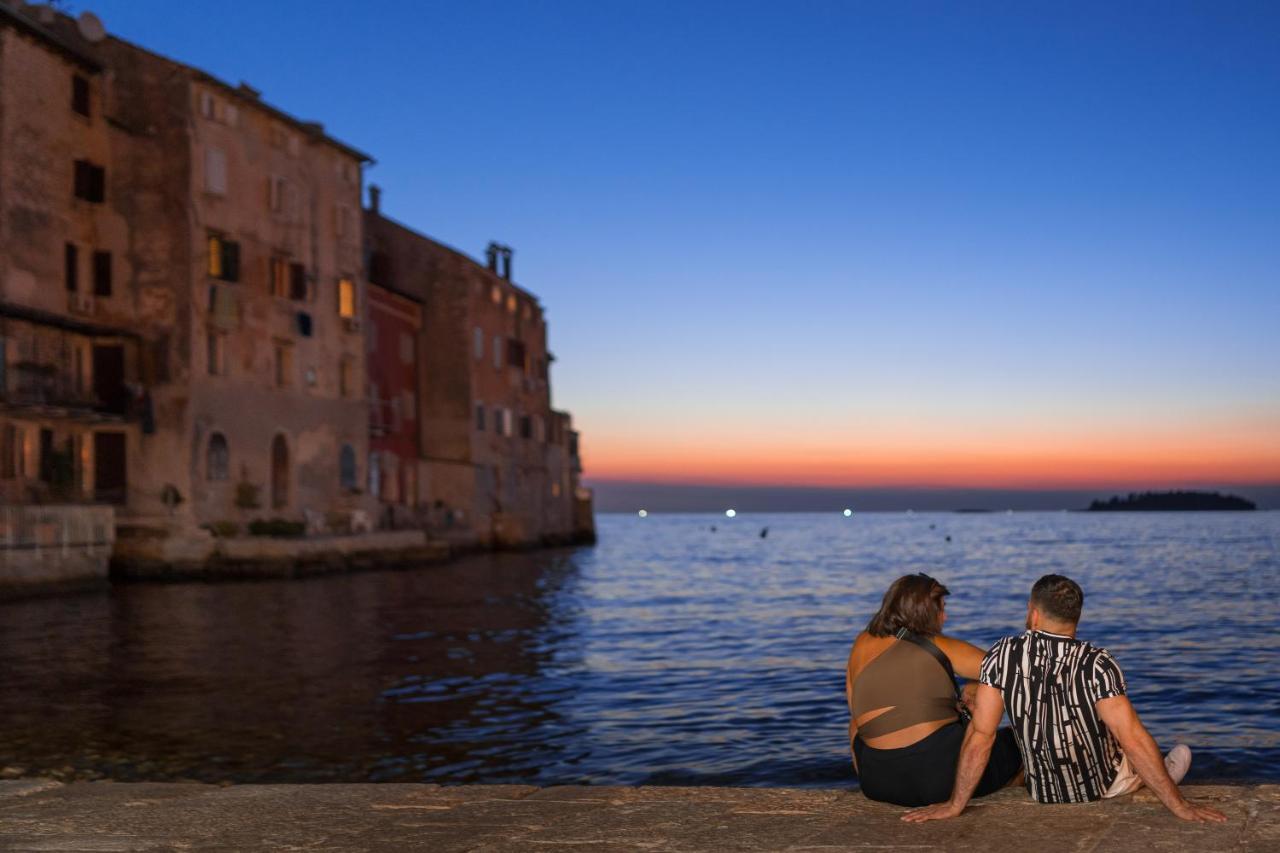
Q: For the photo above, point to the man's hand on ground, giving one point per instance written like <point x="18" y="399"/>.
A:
<point x="1199" y="814"/>
<point x="941" y="811"/>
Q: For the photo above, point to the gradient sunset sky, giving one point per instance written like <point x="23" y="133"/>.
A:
<point x="1017" y="245"/>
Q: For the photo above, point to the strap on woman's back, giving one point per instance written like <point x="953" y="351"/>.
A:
<point x="906" y="679"/>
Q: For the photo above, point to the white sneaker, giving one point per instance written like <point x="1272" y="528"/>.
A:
<point x="1178" y="762"/>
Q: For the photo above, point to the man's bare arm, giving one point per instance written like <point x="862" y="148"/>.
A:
<point x="1121" y="719"/>
<point x="988" y="705"/>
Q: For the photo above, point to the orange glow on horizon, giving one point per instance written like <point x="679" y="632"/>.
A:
<point x="1246" y="454"/>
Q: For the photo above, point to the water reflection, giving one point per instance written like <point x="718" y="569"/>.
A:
<point x="667" y="654"/>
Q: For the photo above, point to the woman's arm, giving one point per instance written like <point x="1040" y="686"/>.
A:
<point x="966" y="658"/>
<point x="848" y="695"/>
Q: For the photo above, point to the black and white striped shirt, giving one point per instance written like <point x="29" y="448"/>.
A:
<point x="1050" y="684"/>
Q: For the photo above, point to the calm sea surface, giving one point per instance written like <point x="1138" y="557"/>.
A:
<point x="667" y="654"/>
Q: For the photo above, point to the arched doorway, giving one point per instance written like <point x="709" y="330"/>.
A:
<point x="279" y="472"/>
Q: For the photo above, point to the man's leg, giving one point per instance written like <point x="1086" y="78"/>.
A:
<point x="1177" y="762"/>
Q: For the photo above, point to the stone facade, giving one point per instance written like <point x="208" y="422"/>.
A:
<point x="392" y="330"/>
<point x="501" y="464"/>
<point x="69" y="352"/>
<point x="188" y="330"/>
<point x="230" y="320"/>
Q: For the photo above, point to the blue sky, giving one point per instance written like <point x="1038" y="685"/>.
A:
<point x="768" y="222"/>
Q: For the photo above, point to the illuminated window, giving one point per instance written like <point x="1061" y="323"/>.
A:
<point x="511" y="304"/>
<point x="346" y="298"/>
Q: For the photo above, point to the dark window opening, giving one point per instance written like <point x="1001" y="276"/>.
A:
<point x="347" y="467"/>
<point x="90" y="181"/>
<point x="297" y="282"/>
<point x="224" y="258"/>
<point x="526" y="426"/>
<point x="101" y="273"/>
<point x="480" y="417"/>
<point x="80" y="95"/>
<point x="379" y="268"/>
<point x="515" y="353"/>
<point x="71" y="267"/>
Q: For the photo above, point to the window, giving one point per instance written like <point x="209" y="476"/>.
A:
<point x="90" y="181"/>
<point x="284" y="364"/>
<point x="217" y="458"/>
<point x="9" y="447"/>
<point x="206" y="105"/>
<point x="347" y="467"/>
<point x="215" y="170"/>
<point x="224" y="258"/>
<point x="380" y="268"/>
<point x="346" y="298"/>
<point x="101" y="273"/>
<point x="515" y="353"/>
<point x="80" y="95"/>
<point x="279" y="277"/>
<point x="498" y="347"/>
<point x="526" y="427"/>
<point x="479" y="343"/>
<point x="297" y="282"/>
<point x="215" y="355"/>
<point x="479" y="417"/>
<point x="71" y="267"/>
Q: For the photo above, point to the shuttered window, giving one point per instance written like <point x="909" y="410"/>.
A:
<point x="90" y="181"/>
<point x="101" y="273"/>
<point x="80" y="95"/>
<point x="215" y="170"/>
<point x="71" y="267"/>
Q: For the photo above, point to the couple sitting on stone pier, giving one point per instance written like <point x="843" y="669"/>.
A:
<point x="917" y="741"/>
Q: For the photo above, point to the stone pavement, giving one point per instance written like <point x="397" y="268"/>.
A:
<point x="45" y="815"/>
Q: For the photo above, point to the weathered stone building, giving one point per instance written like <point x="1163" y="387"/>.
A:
<point x="70" y="359"/>
<point x="393" y="325"/>
<point x="192" y="260"/>
<point x="188" y="332"/>
<point x="500" y="463"/>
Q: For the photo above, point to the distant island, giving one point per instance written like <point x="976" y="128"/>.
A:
<point x="1172" y="502"/>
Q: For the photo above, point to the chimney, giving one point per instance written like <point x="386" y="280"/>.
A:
<point x="506" y="262"/>
<point x="375" y="199"/>
<point x="491" y="253"/>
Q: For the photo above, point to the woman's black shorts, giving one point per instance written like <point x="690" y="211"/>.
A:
<point x="924" y="772"/>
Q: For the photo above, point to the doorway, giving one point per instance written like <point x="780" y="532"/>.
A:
<point x="108" y="378"/>
<point x="110" y="484"/>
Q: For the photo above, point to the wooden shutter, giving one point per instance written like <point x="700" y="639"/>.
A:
<point x="71" y="267"/>
<point x="297" y="282"/>
<point x="230" y="260"/>
<point x="101" y="273"/>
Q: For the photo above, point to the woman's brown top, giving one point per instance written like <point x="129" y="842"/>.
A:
<point x="910" y="682"/>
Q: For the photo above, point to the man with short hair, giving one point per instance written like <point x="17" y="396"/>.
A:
<point x="1080" y="737"/>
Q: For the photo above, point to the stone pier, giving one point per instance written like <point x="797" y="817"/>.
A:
<point x="37" y="814"/>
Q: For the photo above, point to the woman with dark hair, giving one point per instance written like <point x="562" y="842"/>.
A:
<point x="905" y="720"/>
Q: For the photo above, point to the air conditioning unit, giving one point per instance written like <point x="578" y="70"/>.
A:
<point x="79" y="303"/>
<point x="353" y="324"/>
